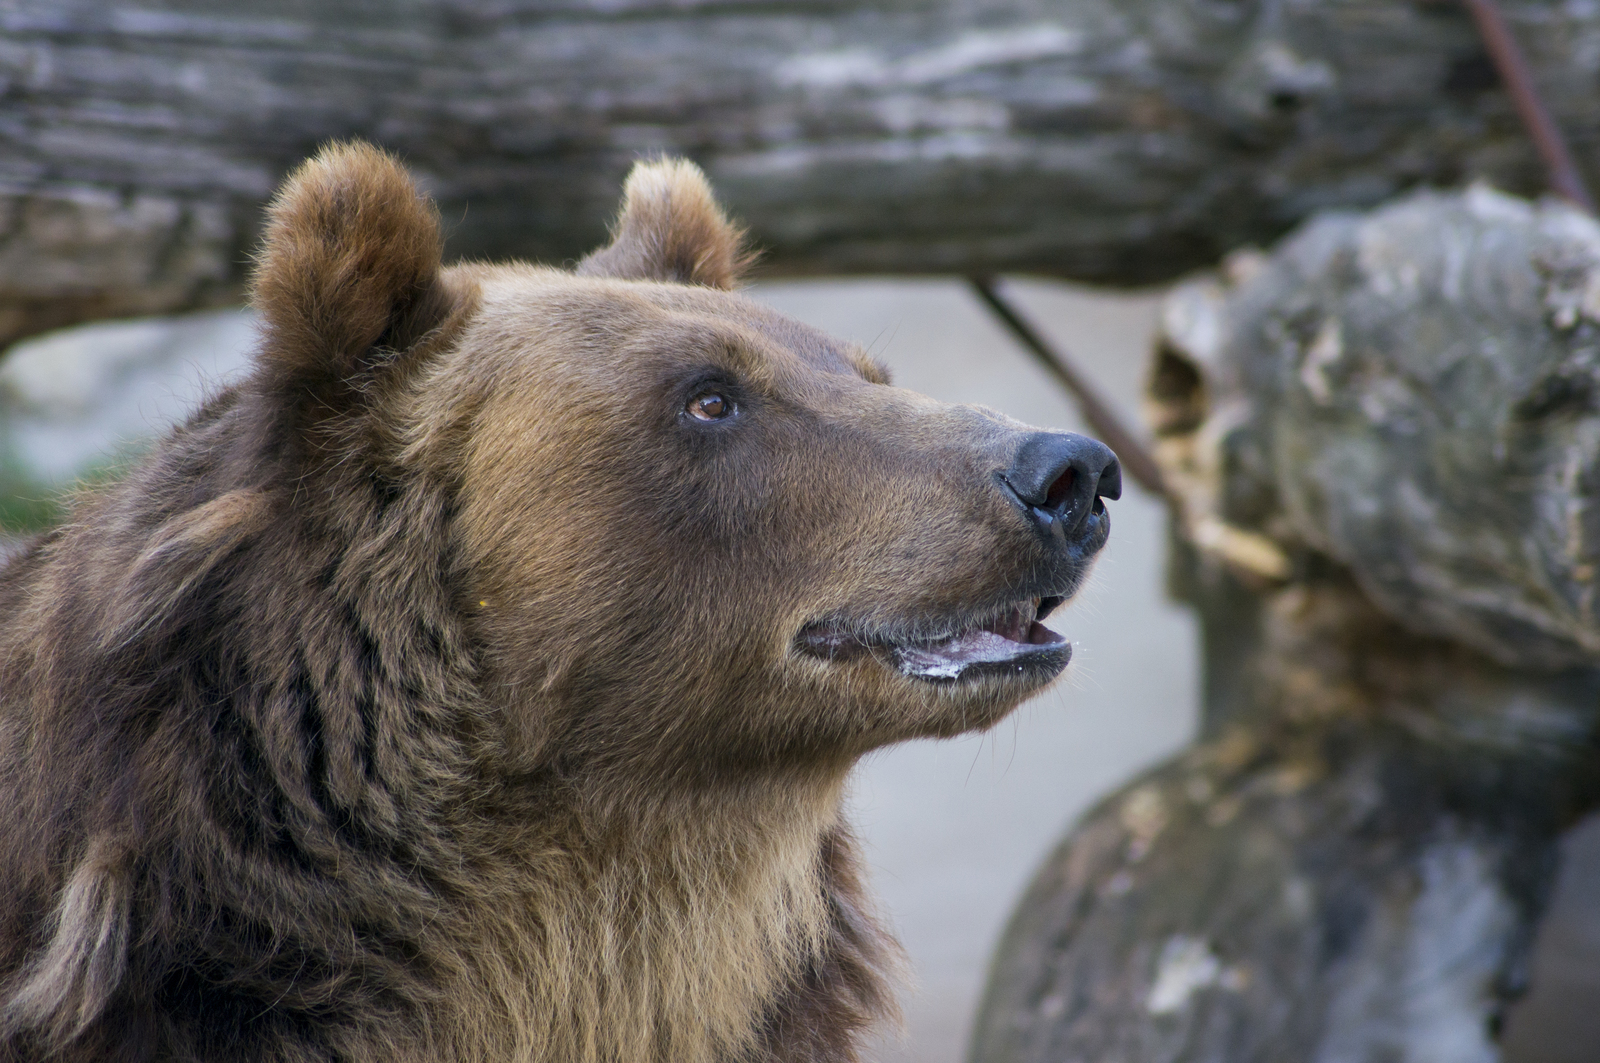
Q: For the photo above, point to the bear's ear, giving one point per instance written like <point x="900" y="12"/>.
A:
<point x="670" y="229"/>
<point x="348" y="272"/>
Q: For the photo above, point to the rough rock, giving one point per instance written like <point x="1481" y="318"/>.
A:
<point x="1415" y="393"/>
<point x="1382" y="437"/>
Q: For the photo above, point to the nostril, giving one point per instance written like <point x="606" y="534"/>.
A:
<point x="1060" y="491"/>
<point x="1060" y="477"/>
<point x="1110" y="485"/>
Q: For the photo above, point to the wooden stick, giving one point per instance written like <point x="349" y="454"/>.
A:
<point x="1134" y="456"/>
<point x="1565" y="181"/>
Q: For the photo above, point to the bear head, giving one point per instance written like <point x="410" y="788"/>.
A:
<point x="691" y="538"/>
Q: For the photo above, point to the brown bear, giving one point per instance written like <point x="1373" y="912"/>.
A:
<point x="477" y="680"/>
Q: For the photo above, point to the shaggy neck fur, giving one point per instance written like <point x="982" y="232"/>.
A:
<point x="660" y="945"/>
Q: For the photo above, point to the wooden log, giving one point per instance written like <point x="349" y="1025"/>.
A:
<point x="1124" y="141"/>
<point x="1398" y="723"/>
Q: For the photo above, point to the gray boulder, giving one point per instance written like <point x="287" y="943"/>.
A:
<point x="1384" y="439"/>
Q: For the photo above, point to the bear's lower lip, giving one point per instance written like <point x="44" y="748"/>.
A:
<point x="1009" y="643"/>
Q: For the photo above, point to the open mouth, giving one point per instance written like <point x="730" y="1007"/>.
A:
<point x="1010" y="641"/>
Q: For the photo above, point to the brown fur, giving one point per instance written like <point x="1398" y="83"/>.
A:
<point x="670" y="228"/>
<point x="433" y="694"/>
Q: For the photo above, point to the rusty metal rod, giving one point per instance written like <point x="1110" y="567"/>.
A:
<point x="1565" y="180"/>
<point x="1134" y="456"/>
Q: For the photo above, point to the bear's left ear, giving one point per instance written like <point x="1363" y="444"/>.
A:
<point x="670" y="229"/>
<point x="348" y="274"/>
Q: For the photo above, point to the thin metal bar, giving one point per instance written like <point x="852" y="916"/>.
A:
<point x="1565" y="180"/>
<point x="1133" y="455"/>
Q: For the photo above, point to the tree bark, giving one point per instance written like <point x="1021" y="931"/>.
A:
<point x="1123" y="141"/>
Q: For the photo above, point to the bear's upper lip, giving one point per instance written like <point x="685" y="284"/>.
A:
<point x="1006" y="641"/>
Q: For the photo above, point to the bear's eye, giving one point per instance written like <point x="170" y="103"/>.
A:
<point x="710" y="407"/>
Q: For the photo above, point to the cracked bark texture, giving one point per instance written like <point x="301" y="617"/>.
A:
<point x="1123" y="141"/>
<point x="1401" y="719"/>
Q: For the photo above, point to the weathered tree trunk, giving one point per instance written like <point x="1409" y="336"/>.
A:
<point x="1385" y="442"/>
<point x="1124" y="141"/>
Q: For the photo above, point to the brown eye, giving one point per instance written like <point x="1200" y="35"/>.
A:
<point x="711" y="407"/>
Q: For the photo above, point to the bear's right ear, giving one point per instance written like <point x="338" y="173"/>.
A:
<point x="348" y="273"/>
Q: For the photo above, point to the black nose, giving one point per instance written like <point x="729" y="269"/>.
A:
<point x="1061" y="477"/>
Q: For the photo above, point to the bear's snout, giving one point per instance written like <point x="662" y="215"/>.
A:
<point x="1058" y="478"/>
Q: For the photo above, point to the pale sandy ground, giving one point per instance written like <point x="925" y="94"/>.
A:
<point x="953" y="829"/>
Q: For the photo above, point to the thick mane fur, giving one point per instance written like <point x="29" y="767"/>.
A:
<point x="243" y="746"/>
